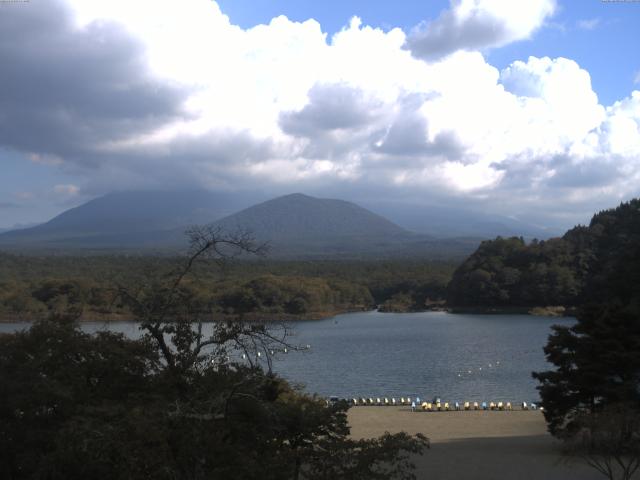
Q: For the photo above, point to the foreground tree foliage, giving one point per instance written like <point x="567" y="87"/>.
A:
<point x="176" y="403"/>
<point x="597" y="364"/>
<point x="592" y="398"/>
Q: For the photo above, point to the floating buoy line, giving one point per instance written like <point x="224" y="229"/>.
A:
<point x="436" y="405"/>
<point x="467" y="372"/>
<point x="272" y="352"/>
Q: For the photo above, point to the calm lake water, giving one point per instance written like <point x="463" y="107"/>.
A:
<point x="373" y="354"/>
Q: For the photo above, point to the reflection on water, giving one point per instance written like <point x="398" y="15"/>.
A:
<point x="456" y="357"/>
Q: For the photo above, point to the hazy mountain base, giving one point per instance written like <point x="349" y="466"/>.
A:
<point x="354" y="248"/>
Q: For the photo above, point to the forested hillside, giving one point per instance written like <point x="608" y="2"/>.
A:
<point x="34" y="287"/>
<point x="589" y="263"/>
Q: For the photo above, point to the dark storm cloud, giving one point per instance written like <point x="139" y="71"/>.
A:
<point x="339" y="120"/>
<point x="556" y="191"/>
<point x="447" y="34"/>
<point x="408" y="134"/>
<point x="558" y="173"/>
<point x="331" y="107"/>
<point x="336" y="121"/>
<point x="333" y="145"/>
<point x="519" y="173"/>
<point x="224" y="148"/>
<point x="214" y="159"/>
<point x="63" y="90"/>
<point x="592" y="174"/>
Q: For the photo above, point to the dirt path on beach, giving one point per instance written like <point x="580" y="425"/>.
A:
<point x="475" y="445"/>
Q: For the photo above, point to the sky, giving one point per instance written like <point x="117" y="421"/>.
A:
<point x="524" y="109"/>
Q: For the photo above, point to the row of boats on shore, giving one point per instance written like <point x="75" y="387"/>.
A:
<point x="436" y="405"/>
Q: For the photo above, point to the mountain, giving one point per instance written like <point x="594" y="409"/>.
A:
<point x="299" y="225"/>
<point x="295" y="226"/>
<point x="299" y="216"/>
<point x="135" y="219"/>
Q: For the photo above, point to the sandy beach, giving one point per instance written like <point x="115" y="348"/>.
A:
<point x="475" y="444"/>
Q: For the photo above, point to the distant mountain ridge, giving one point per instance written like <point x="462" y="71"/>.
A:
<point x="295" y="226"/>
<point x="127" y="219"/>
<point x="301" y="226"/>
<point x="445" y="221"/>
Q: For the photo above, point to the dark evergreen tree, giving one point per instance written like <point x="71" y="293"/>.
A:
<point x="592" y="398"/>
<point x="597" y="364"/>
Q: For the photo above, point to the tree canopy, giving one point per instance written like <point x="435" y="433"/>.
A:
<point x="34" y="287"/>
<point x="600" y="261"/>
<point x="592" y="396"/>
<point x="174" y="404"/>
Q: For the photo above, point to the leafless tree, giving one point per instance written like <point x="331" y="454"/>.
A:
<point x="608" y="440"/>
<point x="172" y="316"/>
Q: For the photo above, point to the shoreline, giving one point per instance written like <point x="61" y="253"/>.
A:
<point x="256" y="317"/>
<point x="549" y="311"/>
<point x="541" y="311"/>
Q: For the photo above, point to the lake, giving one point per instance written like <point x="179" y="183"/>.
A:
<point x="455" y="356"/>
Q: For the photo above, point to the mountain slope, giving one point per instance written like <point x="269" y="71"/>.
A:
<point x="295" y="226"/>
<point x="300" y="226"/>
<point x="299" y="216"/>
<point x="126" y="219"/>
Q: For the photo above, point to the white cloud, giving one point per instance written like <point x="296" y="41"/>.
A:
<point x="284" y="107"/>
<point x="620" y="133"/>
<point x="477" y="25"/>
<point x="556" y="100"/>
